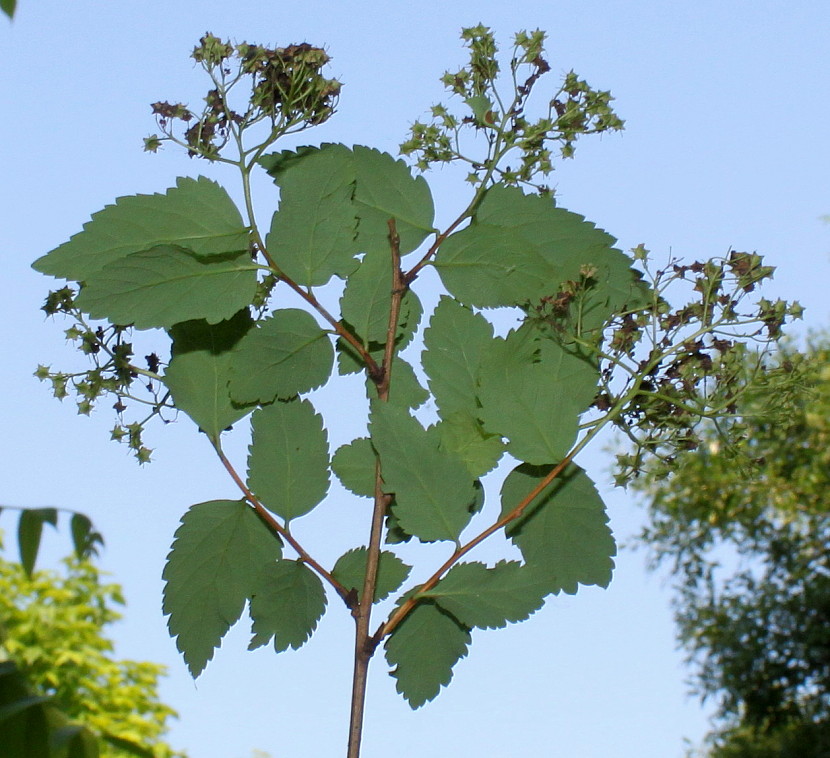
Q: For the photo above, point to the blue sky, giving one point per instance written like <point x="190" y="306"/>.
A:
<point x="727" y="109"/>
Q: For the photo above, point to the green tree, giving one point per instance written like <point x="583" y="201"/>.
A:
<point x="53" y="629"/>
<point x="745" y="530"/>
<point x="596" y="343"/>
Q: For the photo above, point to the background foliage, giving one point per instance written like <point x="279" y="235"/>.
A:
<point x="745" y="531"/>
<point x="54" y="628"/>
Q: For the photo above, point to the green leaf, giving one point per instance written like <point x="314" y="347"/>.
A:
<point x="285" y="355"/>
<point x="214" y="564"/>
<point x="287" y="604"/>
<point x="532" y="390"/>
<point x="350" y="571"/>
<point x="8" y="7"/>
<point x="196" y="214"/>
<point x="312" y="235"/>
<point x="165" y="285"/>
<point x="520" y="248"/>
<point x="386" y="190"/>
<point x="367" y="297"/>
<point x="489" y="598"/>
<point x="563" y="535"/>
<point x="200" y="369"/>
<point x="354" y="464"/>
<point x="432" y="488"/>
<point x="454" y="343"/>
<point x="404" y="389"/>
<point x="29" y="531"/>
<point x="288" y="459"/>
<point x="423" y="649"/>
<point x="462" y="434"/>
<point x="127" y="746"/>
<point x="482" y="109"/>
<point x="84" y="537"/>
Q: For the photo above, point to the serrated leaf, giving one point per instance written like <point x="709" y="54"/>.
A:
<point x="285" y="355"/>
<point x="367" y="297"/>
<point x="394" y="534"/>
<point x="521" y="248"/>
<point x="196" y="214"/>
<point x="349" y="360"/>
<point x="350" y="571"/>
<point x="217" y="557"/>
<point x="564" y="534"/>
<point x="166" y="285"/>
<point x="354" y="464"/>
<point x="312" y="235"/>
<point x="199" y="372"/>
<point x="288" y="459"/>
<point x="432" y="488"/>
<point x="423" y="649"/>
<point x="287" y="604"/>
<point x="386" y="189"/>
<point x="29" y="531"/>
<point x="532" y="391"/>
<point x="489" y="598"/>
<point x="462" y="434"/>
<point x="404" y="389"/>
<point x="454" y="343"/>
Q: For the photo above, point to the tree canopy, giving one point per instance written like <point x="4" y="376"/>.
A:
<point x="745" y="530"/>
<point x="53" y="626"/>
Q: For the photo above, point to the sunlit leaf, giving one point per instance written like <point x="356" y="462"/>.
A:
<point x="199" y="372"/>
<point x="166" y="285"/>
<point x="217" y="557"/>
<point x="288" y="601"/>
<point x="532" y="391"/>
<point x="285" y="355"/>
<point x="350" y="571"/>
<point x="196" y="214"/>
<point x="489" y="598"/>
<point x="520" y="248"/>
<point x="432" y="488"/>
<point x="563" y="535"/>
<point x="454" y="344"/>
<point x="423" y="650"/>
<point x="404" y="388"/>
<point x="354" y="464"/>
<point x="312" y="235"/>
<point x="288" y="459"/>
<point x="462" y="434"/>
<point x="386" y="190"/>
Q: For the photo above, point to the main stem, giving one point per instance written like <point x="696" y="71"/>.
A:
<point x="365" y="644"/>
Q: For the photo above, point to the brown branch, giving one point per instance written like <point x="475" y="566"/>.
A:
<point x="277" y="528"/>
<point x="412" y="274"/>
<point x="400" y="613"/>
<point x="364" y="645"/>
<point x="399" y="288"/>
<point x="341" y="330"/>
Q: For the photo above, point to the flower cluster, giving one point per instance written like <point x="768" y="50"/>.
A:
<point x="287" y="90"/>
<point x="666" y="368"/>
<point x="114" y="374"/>
<point x="520" y="148"/>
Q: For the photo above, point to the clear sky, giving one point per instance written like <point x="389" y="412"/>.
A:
<point x="727" y="106"/>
